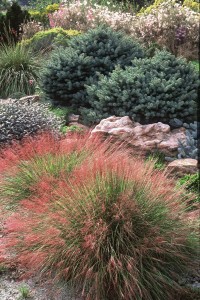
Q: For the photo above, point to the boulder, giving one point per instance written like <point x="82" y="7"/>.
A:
<point x="143" y="138"/>
<point x="180" y="167"/>
<point x="115" y="125"/>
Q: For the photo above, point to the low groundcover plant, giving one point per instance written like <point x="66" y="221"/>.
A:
<point x="114" y="226"/>
<point x="18" y="119"/>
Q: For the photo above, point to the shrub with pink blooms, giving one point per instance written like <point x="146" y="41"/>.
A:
<point x="75" y="15"/>
<point x="170" y="25"/>
<point x="114" y="227"/>
<point x="84" y="15"/>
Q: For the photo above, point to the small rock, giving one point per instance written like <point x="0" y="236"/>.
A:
<point x="180" y="167"/>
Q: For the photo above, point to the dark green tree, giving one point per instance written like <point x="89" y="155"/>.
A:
<point x="15" y="16"/>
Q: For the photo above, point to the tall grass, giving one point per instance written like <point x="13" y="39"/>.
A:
<point x="19" y="70"/>
<point x="115" y="227"/>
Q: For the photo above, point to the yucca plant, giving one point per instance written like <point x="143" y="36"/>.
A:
<point x="19" y="70"/>
<point x="115" y="227"/>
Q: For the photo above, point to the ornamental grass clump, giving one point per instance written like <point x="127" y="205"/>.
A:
<point x="41" y="160"/>
<point x="115" y="228"/>
<point x="46" y="40"/>
<point x="19" y="70"/>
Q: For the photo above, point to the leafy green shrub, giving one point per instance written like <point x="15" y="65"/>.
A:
<point x="19" y="120"/>
<point x="194" y="5"/>
<point x="47" y="39"/>
<point x="190" y="182"/>
<point x="41" y="13"/>
<point x="155" y="89"/>
<point x="39" y="16"/>
<point x="97" y="51"/>
<point x="51" y="8"/>
<point x="71" y="129"/>
<point x="41" y="5"/>
<point x="196" y="64"/>
<point x="62" y="112"/>
<point x="19" y="70"/>
<point x="115" y="227"/>
<point x="158" y="158"/>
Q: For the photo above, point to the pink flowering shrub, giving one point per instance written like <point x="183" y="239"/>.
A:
<point x="83" y="16"/>
<point x="113" y="226"/>
<point x="75" y="15"/>
<point x="170" y="25"/>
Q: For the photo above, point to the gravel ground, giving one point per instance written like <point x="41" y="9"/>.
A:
<point x="10" y="290"/>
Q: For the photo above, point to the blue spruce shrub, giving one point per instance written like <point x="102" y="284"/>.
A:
<point x="152" y="90"/>
<point x="96" y="52"/>
<point x="189" y="148"/>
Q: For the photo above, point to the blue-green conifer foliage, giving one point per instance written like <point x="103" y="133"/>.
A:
<point x="87" y="56"/>
<point x="153" y="89"/>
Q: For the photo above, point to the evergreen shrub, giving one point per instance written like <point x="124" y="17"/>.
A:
<point x="96" y="52"/>
<point x="47" y="39"/>
<point x="154" y="89"/>
<point x="189" y="148"/>
<point x="15" y="16"/>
